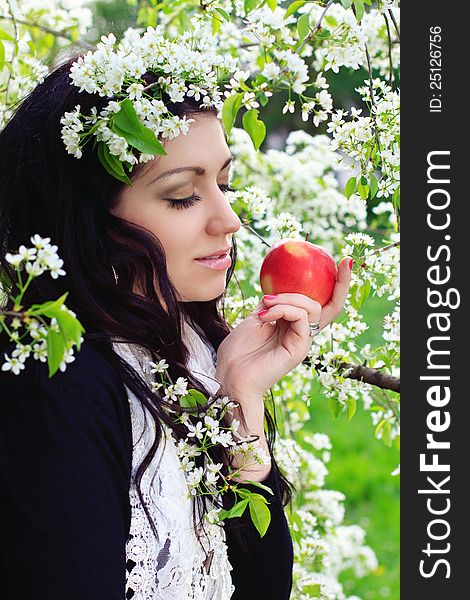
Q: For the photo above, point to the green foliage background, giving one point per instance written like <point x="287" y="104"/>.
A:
<point x="360" y="467"/>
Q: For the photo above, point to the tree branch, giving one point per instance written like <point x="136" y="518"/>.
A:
<point x="389" y="35"/>
<point x="246" y="226"/>
<point x="318" y="24"/>
<point x="375" y="377"/>
<point x="372" y="99"/>
<point x="394" y="21"/>
<point x="380" y="250"/>
<point x="315" y="29"/>
<point x="60" y="34"/>
<point x="15" y="29"/>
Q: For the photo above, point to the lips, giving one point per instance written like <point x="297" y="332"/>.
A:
<point x="216" y="264"/>
<point x="215" y="255"/>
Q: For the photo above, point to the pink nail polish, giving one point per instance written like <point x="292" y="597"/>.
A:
<point x="270" y="296"/>
<point x="263" y="312"/>
<point x="351" y="262"/>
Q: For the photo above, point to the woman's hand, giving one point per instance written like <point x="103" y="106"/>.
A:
<point x="258" y="353"/>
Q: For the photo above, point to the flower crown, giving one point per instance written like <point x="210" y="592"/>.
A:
<point x="126" y="129"/>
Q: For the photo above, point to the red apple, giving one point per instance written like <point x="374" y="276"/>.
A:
<point x="301" y="267"/>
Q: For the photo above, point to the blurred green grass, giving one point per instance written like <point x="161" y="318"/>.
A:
<point x="360" y="467"/>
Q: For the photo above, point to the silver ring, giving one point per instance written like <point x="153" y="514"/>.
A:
<point x="314" y="328"/>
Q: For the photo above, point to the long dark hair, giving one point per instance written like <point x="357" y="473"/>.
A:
<point x="46" y="191"/>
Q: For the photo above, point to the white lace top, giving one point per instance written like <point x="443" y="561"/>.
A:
<point x="170" y="565"/>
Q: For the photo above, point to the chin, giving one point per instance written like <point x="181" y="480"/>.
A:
<point x="204" y="295"/>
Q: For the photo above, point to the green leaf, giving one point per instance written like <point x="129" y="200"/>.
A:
<point x="259" y="513"/>
<point x="149" y="141"/>
<point x="251" y="5"/>
<point x="222" y="514"/>
<point x="293" y="7"/>
<point x="244" y="493"/>
<point x="146" y="141"/>
<point x="359" y="295"/>
<point x="359" y="6"/>
<point x="185" y="21"/>
<point x="346" y="3"/>
<point x="255" y="128"/>
<point x="379" y="426"/>
<point x="387" y="433"/>
<point x="313" y="590"/>
<point x="74" y="34"/>
<point x="42" y="309"/>
<point x="260" y="61"/>
<point x="57" y="343"/>
<point x="351" y="408"/>
<point x="238" y="509"/>
<point x="294" y="519"/>
<point x="323" y="34"/>
<point x="263" y="99"/>
<point x="2" y="56"/>
<point x="363" y="189"/>
<point x="331" y="21"/>
<point x="230" y="110"/>
<point x="296" y="538"/>
<point x="260" y="485"/>
<point x="70" y="327"/>
<point x="56" y="348"/>
<point x="6" y="36"/>
<point x="112" y="164"/>
<point x="216" y="23"/>
<point x="297" y="519"/>
<point x="192" y="399"/>
<point x="127" y="120"/>
<point x="272" y="4"/>
<point x="350" y="187"/>
<point x="187" y="401"/>
<point x="198" y="396"/>
<point x="223" y="13"/>
<point x="396" y="198"/>
<point x="374" y="185"/>
<point x="303" y="26"/>
<point x="335" y="406"/>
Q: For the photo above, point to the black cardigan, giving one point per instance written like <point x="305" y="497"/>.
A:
<point x="65" y="465"/>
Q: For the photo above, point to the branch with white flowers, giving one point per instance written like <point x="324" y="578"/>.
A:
<point x="371" y="376"/>
<point x="47" y="332"/>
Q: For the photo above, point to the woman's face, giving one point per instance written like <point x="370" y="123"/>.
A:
<point x="189" y="229"/>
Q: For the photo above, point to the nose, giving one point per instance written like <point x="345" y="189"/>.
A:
<point x="223" y="219"/>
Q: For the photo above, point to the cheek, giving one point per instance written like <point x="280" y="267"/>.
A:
<point x="155" y="221"/>
<point x="175" y="240"/>
<point x="173" y="229"/>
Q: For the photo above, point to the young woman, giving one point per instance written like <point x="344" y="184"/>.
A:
<point x="94" y="499"/>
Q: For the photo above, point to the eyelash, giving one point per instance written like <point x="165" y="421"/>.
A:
<point x="187" y="202"/>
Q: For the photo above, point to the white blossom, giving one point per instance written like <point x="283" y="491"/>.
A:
<point x="13" y="364"/>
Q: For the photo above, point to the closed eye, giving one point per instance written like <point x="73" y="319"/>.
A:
<point x="181" y="203"/>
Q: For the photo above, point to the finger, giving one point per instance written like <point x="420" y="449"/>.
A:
<point x="340" y="292"/>
<point x="297" y="317"/>
<point x="312" y="307"/>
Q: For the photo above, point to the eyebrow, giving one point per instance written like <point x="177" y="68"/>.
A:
<point x="198" y="170"/>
